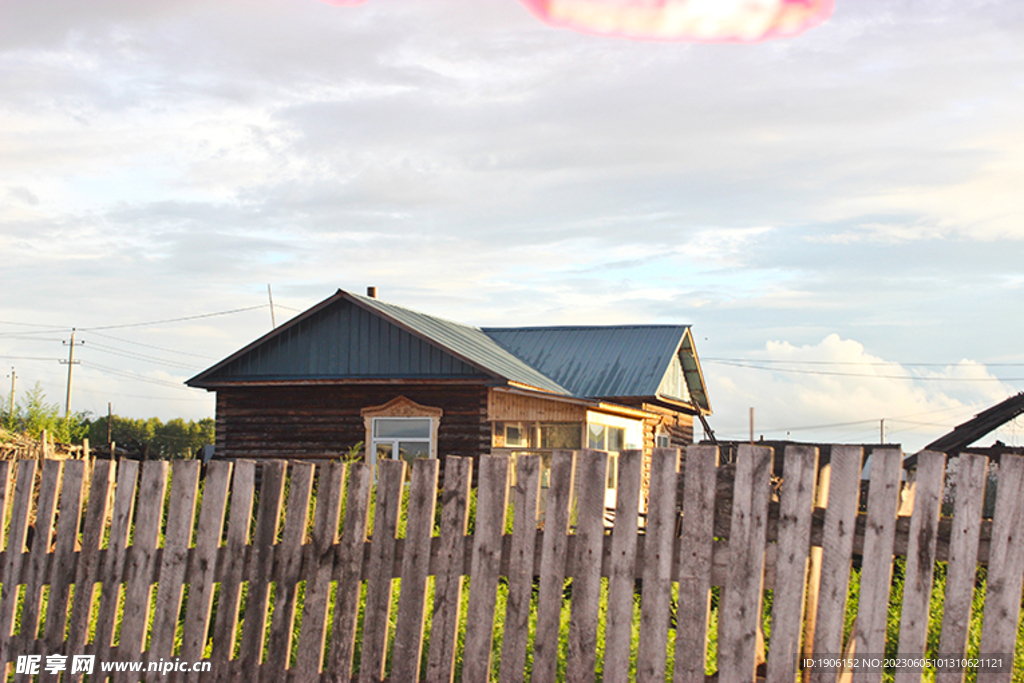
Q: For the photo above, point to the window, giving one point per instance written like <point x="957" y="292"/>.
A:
<point x="407" y="438"/>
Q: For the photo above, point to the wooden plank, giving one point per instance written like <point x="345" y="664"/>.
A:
<point x="917" y="583"/>
<point x="794" y="537"/>
<point x="6" y="485"/>
<point x="260" y="570"/>
<point x="349" y="560"/>
<point x="963" y="558"/>
<point x="63" y="558"/>
<point x="824" y="480"/>
<point x="174" y="559"/>
<point x="876" y="566"/>
<point x="318" y="579"/>
<point x="622" y="568"/>
<point x="138" y="569"/>
<point x="116" y="556"/>
<point x="656" y="595"/>
<point x="837" y="549"/>
<point x="243" y="483"/>
<point x="491" y="503"/>
<point x="87" y="571"/>
<point x="412" y="603"/>
<point x="525" y="498"/>
<point x="1003" y="585"/>
<point x="591" y="478"/>
<point x="458" y="474"/>
<point x="15" y="556"/>
<point x="552" y="568"/>
<point x="287" y="564"/>
<point x="740" y="615"/>
<point x="46" y="508"/>
<point x="204" y="558"/>
<point x="373" y="657"/>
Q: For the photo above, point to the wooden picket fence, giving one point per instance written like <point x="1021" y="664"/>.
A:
<point x="105" y="567"/>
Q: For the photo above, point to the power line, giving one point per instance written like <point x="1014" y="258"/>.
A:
<point x="750" y="366"/>
<point x="138" y="356"/>
<point x="151" y="346"/>
<point x="32" y="358"/>
<point x="172" y="320"/>
<point x="851" y="362"/>
<point x="132" y="375"/>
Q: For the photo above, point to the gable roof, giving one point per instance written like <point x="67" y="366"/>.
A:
<point x="348" y="336"/>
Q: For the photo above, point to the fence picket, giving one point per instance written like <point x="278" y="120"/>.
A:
<point x="740" y="614"/>
<point x="349" y="561"/>
<point x="113" y="568"/>
<point x="373" y="657"/>
<point x="552" y="567"/>
<point x="917" y="584"/>
<point x="15" y="556"/>
<point x="138" y="570"/>
<point x="62" y="557"/>
<point x="622" y="570"/>
<point x="657" y="574"/>
<point x="46" y="509"/>
<point x="201" y="572"/>
<point x="87" y="571"/>
<point x="592" y="473"/>
<point x="287" y="565"/>
<point x="963" y="559"/>
<point x="313" y="634"/>
<point x="412" y="602"/>
<point x="231" y="574"/>
<point x="174" y="559"/>
<point x="260" y="571"/>
<point x="794" y="540"/>
<point x="837" y="551"/>
<point x="458" y="474"/>
<point x="876" y="566"/>
<point x="1006" y="562"/>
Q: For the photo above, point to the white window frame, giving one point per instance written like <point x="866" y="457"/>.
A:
<point x="430" y="440"/>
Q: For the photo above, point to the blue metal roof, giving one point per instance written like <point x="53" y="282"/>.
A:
<point x="605" y="361"/>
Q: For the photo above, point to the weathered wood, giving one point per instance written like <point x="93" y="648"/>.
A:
<point x="46" y="508"/>
<point x="963" y="557"/>
<point x="657" y="575"/>
<point x="822" y="485"/>
<point x="591" y="475"/>
<point x="261" y="569"/>
<point x="740" y="615"/>
<point x="63" y="557"/>
<point x="408" y="649"/>
<point x="876" y="566"/>
<point x="349" y="561"/>
<point x="15" y="555"/>
<point x="800" y="466"/>
<point x="243" y="482"/>
<point x="174" y="558"/>
<point x="491" y="503"/>
<point x="917" y="582"/>
<point x="622" y="568"/>
<point x="525" y="498"/>
<point x="312" y="637"/>
<point x="458" y="474"/>
<point x="114" y="560"/>
<point x="287" y="564"/>
<point x="837" y="549"/>
<point x="390" y="475"/>
<point x="552" y="568"/>
<point x="203" y="559"/>
<point x="138" y="570"/>
<point x="87" y="570"/>
<point x="1003" y="586"/>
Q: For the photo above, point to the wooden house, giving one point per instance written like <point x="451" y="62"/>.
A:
<point x="356" y="374"/>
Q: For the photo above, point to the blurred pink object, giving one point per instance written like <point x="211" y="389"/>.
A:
<point x="713" y="21"/>
<point x="344" y="3"/>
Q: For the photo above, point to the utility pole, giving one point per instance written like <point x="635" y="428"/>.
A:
<point x="273" y="322"/>
<point x="70" y="362"/>
<point x="881" y="430"/>
<point x="751" y="425"/>
<point x="10" y="409"/>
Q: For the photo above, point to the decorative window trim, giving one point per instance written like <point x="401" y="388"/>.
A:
<point x="399" y="407"/>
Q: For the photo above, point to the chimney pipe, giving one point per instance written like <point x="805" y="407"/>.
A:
<point x="371" y="292"/>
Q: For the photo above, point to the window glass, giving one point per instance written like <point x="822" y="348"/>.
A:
<point x="517" y="434"/>
<point x="411" y="450"/>
<point x="616" y="439"/>
<point x="663" y="441"/>
<point x="595" y="436"/>
<point x="383" y="450"/>
<point x="401" y="427"/>
<point x="560" y="435"/>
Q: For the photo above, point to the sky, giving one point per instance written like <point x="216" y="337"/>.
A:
<point x="838" y="215"/>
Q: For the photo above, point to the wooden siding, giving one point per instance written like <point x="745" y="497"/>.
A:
<point x="324" y="421"/>
<point x="344" y="340"/>
<point x="503" y="405"/>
